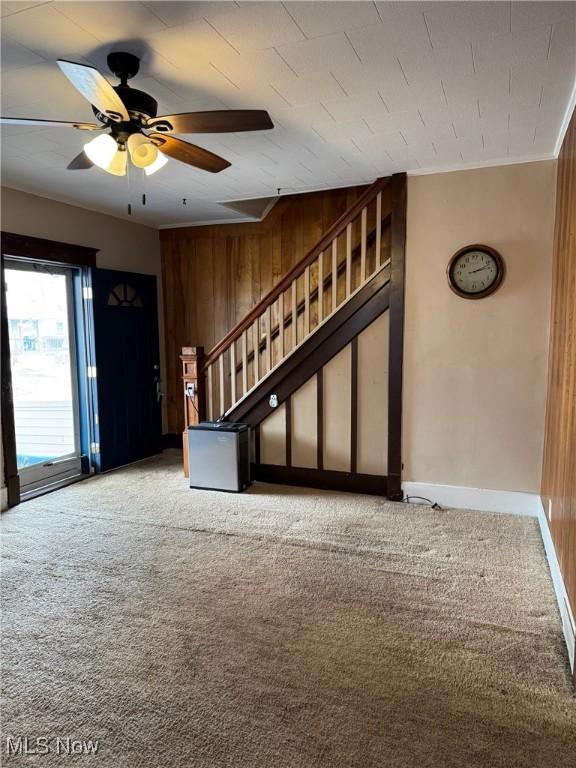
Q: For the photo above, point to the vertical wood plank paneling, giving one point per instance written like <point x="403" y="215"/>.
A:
<point x="213" y="275"/>
<point x="559" y="464"/>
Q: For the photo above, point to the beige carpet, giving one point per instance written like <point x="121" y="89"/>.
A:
<point x="281" y="628"/>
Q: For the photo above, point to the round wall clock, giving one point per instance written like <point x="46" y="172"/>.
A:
<point x="475" y="271"/>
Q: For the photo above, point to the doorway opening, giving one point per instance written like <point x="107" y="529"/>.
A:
<point x="81" y="387"/>
<point x="41" y="315"/>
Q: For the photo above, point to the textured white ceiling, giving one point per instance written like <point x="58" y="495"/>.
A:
<point x="356" y="90"/>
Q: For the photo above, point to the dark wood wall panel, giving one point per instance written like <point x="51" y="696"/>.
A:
<point x="214" y="275"/>
<point x="559" y="468"/>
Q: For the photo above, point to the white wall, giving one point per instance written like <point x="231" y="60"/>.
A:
<point x="122" y="244"/>
<point x="475" y="372"/>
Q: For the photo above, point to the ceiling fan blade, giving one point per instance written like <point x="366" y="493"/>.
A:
<point x="94" y="87"/>
<point x="80" y="163"/>
<point x="221" y="121"/>
<point x="50" y="123"/>
<point x="189" y="153"/>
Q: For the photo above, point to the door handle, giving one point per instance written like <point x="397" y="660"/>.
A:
<point x="159" y="393"/>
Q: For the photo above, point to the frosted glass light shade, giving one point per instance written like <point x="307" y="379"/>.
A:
<point x="118" y="163"/>
<point x="142" y="151"/>
<point x="101" y="150"/>
<point x="160" y="162"/>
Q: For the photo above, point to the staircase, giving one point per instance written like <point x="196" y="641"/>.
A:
<point x="353" y="275"/>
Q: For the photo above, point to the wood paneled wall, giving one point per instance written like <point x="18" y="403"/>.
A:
<point x="214" y="275"/>
<point x="559" y="468"/>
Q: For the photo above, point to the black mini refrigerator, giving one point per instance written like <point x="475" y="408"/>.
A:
<point x="219" y="456"/>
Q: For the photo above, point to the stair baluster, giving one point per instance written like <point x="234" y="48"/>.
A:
<point x="246" y="373"/>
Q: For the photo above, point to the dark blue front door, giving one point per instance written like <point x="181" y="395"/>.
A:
<point x="129" y="425"/>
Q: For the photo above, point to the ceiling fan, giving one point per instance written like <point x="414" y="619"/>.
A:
<point x="128" y="117"/>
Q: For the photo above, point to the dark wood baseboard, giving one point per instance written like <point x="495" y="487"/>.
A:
<point x="326" y="479"/>
<point x="395" y="492"/>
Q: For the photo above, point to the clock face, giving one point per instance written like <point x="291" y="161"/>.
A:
<point x="475" y="271"/>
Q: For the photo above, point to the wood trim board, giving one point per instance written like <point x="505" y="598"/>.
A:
<point x="325" y="479"/>
<point x="396" y="343"/>
<point x="40" y="249"/>
<point x="11" y="478"/>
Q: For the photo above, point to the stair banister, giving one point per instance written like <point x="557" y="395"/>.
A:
<point x="281" y="310"/>
<point x="335" y="231"/>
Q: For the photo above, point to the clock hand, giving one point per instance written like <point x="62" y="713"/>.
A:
<point x="477" y="270"/>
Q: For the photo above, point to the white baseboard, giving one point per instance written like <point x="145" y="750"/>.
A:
<point x="511" y="502"/>
<point x="568" y="624"/>
<point x="482" y="499"/>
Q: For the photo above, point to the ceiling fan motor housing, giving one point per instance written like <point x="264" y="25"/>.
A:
<point x="123" y="65"/>
<point x="140" y="105"/>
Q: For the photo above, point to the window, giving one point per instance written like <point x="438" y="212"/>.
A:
<point x="124" y="295"/>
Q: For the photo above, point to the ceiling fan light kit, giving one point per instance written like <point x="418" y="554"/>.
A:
<point x="160" y="162"/>
<point x="128" y="113"/>
<point x="142" y="152"/>
<point x="118" y="163"/>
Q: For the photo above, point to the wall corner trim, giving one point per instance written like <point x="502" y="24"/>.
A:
<point x="566" y="120"/>
<point x="568" y="623"/>
<point x="481" y="499"/>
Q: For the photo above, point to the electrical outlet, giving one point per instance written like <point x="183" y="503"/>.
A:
<point x="549" y="510"/>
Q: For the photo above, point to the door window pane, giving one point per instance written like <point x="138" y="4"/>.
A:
<point x="38" y="309"/>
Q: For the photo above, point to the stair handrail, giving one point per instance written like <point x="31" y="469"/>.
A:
<point x="275" y="330"/>
<point x="335" y="231"/>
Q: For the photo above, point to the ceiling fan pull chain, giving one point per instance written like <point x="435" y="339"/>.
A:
<point x="128" y="176"/>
